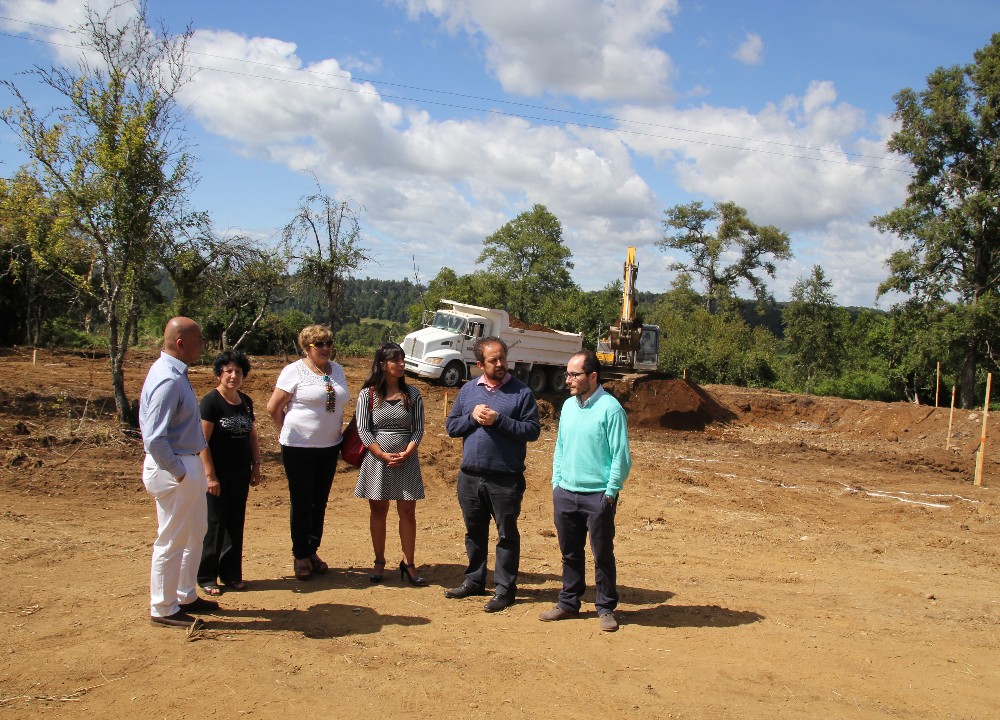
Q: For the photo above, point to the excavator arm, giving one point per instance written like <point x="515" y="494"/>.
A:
<point x="626" y="331"/>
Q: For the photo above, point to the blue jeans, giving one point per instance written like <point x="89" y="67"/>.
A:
<point x="482" y="497"/>
<point x="576" y="515"/>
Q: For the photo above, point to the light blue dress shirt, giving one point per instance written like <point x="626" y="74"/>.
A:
<point x="168" y="415"/>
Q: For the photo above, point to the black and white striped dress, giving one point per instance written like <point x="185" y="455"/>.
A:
<point x="393" y="426"/>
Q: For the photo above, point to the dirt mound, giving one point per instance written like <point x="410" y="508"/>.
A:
<point x="896" y="422"/>
<point x="652" y="401"/>
<point x="519" y="324"/>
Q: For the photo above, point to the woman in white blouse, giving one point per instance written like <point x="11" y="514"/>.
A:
<point x="307" y="406"/>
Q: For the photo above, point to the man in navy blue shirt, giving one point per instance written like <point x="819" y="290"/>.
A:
<point x="496" y="416"/>
<point x="174" y="475"/>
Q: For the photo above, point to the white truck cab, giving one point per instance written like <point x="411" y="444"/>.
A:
<point x="442" y="349"/>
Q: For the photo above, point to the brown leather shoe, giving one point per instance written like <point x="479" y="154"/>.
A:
<point x="557" y="613"/>
<point x="608" y="622"/>
<point x="179" y="619"/>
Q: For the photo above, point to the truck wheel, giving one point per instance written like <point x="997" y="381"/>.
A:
<point x="557" y="380"/>
<point x="453" y="375"/>
<point x="536" y="380"/>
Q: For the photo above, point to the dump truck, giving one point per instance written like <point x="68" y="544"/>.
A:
<point x="441" y="349"/>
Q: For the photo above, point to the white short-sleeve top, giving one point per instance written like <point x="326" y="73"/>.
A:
<point x="307" y="422"/>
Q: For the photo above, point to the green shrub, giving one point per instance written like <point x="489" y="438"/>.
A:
<point x="62" y="332"/>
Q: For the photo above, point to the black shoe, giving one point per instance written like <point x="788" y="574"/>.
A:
<point x="463" y="591"/>
<point x="179" y="619"/>
<point x="497" y="603"/>
<point x="412" y="578"/>
<point x="199" y="605"/>
<point x="381" y="576"/>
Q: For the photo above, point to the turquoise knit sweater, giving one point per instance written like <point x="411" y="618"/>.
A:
<point x="592" y="453"/>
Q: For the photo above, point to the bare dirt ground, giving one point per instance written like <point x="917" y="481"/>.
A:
<point x="779" y="556"/>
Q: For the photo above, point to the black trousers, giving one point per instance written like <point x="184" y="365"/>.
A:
<point x="222" y="550"/>
<point x="497" y="497"/>
<point x="576" y="515"/>
<point x="310" y="475"/>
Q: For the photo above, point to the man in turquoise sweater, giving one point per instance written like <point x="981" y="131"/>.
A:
<point x="589" y="467"/>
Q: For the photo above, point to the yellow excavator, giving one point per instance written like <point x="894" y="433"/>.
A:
<point x="630" y="345"/>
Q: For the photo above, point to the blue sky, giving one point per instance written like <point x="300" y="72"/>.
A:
<point x="447" y="118"/>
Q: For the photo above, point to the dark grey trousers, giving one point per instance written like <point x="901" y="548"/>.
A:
<point x="576" y="515"/>
<point x="482" y="498"/>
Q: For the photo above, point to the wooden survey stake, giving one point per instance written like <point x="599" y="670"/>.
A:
<point x="951" y="416"/>
<point x="981" y="454"/>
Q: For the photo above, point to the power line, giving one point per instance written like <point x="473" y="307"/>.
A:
<point x="523" y="116"/>
<point x="579" y="113"/>
<point x="494" y="111"/>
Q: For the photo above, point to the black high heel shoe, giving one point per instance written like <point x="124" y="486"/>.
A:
<point x="372" y="577"/>
<point x="404" y="574"/>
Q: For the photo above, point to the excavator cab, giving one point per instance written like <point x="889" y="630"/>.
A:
<point x="647" y="356"/>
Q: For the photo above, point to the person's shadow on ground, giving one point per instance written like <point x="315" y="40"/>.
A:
<point x="319" y="622"/>
<point x="335" y="620"/>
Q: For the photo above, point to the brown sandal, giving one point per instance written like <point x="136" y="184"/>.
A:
<point x="303" y="569"/>
<point x="318" y="566"/>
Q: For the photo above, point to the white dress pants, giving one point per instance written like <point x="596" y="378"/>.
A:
<point x="182" y="519"/>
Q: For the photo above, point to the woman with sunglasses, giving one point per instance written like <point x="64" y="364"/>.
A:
<point x="307" y="406"/>
<point x="390" y="417"/>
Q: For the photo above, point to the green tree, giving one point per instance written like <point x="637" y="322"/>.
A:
<point x="867" y="369"/>
<point x="720" y="348"/>
<point x="680" y="299"/>
<point x="192" y="251"/>
<point x="113" y="160"/>
<point x="814" y="329"/>
<point x="277" y="333"/>
<point x="757" y="247"/>
<point x="242" y="288"/>
<point x="36" y="248"/>
<point x="325" y="238"/>
<point x="582" y="311"/>
<point x="528" y="255"/>
<point x="950" y="133"/>
<point x="479" y="288"/>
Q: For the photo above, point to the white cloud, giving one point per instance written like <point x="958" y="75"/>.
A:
<point x="751" y="50"/>
<point x="851" y="253"/>
<point x="432" y="188"/>
<point x="591" y="49"/>
<point x="812" y="166"/>
<point x="55" y="20"/>
<point x="435" y="188"/>
<point x="794" y="165"/>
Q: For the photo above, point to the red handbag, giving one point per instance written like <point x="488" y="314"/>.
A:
<point x="352" y="450"/>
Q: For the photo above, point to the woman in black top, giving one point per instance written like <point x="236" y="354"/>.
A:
<point x="232" y="465"/>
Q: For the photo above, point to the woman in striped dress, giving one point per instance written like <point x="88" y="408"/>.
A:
<point x="391" y="423"/>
